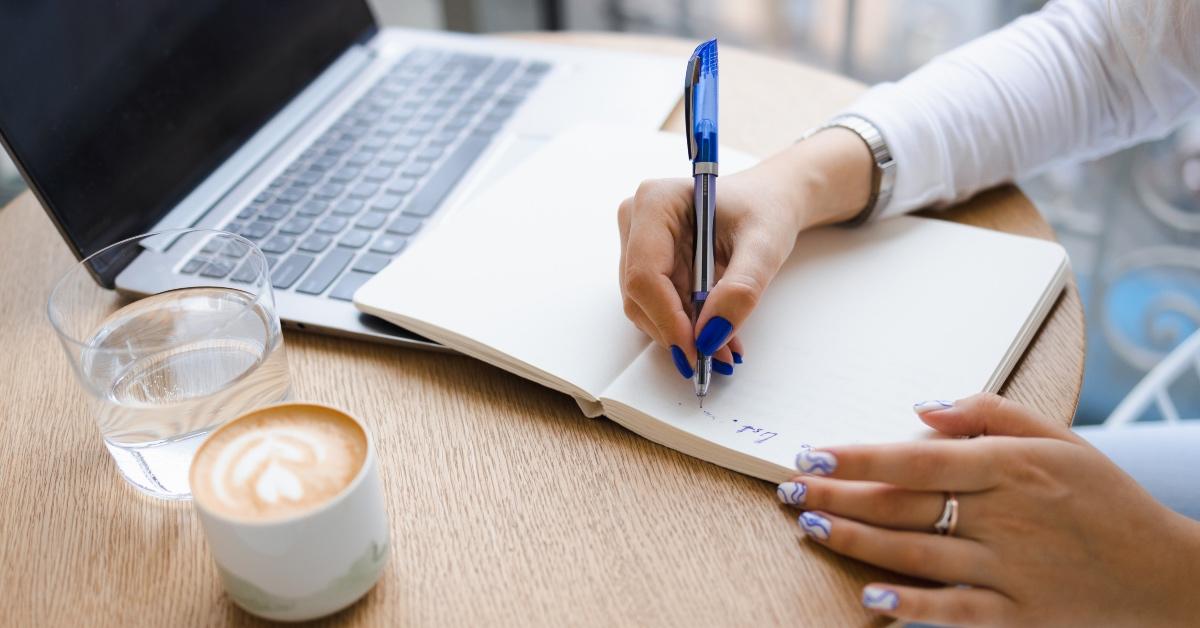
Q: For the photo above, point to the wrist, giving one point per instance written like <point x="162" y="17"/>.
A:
<point x="828" y="175"/>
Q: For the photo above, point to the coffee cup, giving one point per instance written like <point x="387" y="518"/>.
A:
<point x="291" y="503"/>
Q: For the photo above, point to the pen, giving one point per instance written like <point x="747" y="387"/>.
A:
<point x="700" y="118"/>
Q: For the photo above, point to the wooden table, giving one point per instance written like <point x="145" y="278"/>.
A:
<point x="507" y="506"/>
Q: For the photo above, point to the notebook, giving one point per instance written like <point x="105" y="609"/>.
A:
<point x="858" y="325"/>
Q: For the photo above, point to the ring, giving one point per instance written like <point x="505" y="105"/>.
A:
<point x="948" y="523"/>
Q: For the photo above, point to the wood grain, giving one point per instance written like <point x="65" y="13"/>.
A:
<point x="507" y="507"/>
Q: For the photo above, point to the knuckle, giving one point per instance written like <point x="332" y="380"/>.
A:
<point x="914" y="557"/>
<point x="889" y="504"/>
<point x="625" y="209"/>
<point x="631" y="309"/>
<point x="742" y="291"/>
<point x="962" y="610"/>
<point x="639" y="281"/>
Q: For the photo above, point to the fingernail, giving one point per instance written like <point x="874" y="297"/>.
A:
<point x="715" y="333"/>
<point x="815" y="526"/>
<point x="816" y="462"/>
<point x="681" y="362"/>
<point x="932" y="405"/>
<point x="792" y="493"/>
<point x="723" y="368"/>
<point x="880" y="598"/>
<point x="737" y="358"/>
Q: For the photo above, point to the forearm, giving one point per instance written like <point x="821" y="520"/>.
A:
<point x="1074" y="81"/>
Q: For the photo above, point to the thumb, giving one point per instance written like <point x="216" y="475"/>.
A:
<point x="751" y="268"/>
<point x="987" y="414"/>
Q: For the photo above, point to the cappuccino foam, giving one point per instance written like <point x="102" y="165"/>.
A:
<point x="278" y="462"/>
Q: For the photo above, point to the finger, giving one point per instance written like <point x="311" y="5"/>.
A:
<point x="955" y="606"/>
<point x="935" y="465"/>
<point x="634" y="313"/>
<point x="737" y="349"/>
<point x="649" y="264"/>
<point x="875" y="503"/>
<point x="752" y="265"/>
<point x="986" y="414"/>
<point x="940" y="558"/>
<point x="722" y="361"/>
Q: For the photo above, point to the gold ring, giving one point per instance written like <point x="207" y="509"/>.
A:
<point x="947" y="524"/>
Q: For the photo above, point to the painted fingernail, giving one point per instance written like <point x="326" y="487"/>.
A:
<point x="737" y="358"/>
<point x="715" y="333"/>
<point x="816" y="462"/>
<point x="880" y="598"/>
<point x="931" y="405"/>
<point x="723" y="368"/>
<point x="681" y="362"/>
<point x="792" y="493"/>
<point x="815" y="526"/>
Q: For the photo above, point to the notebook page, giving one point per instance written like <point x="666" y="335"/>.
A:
<point x="524" y="275"/>
<point x="859" y="325"/>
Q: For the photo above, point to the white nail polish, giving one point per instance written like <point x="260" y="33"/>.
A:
<point x="921" y="407"/>
<point x="792" y="493"/>
<point x="815" y="525"/>
<point x="880" y="599"/>
<point x="816" y="462"/>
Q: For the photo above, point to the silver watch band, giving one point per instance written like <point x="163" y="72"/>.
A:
<point x="883" y="176"/>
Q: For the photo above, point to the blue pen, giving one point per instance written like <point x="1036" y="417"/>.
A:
<point x="700" y="117"/>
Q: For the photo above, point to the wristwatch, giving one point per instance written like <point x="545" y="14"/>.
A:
<point x="883" y="175"/>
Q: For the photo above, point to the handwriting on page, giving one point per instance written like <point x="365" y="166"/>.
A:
<point x="757" y="435"/>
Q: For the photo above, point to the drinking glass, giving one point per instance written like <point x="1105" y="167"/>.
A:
<point x="189" y="341"/>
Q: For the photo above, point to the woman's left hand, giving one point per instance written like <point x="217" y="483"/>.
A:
<point x="1049" y="531"/>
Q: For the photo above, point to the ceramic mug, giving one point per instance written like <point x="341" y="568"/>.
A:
<point x="307" y="565"/>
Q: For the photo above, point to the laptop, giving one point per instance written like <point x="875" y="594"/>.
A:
<point x="301" y="125"/>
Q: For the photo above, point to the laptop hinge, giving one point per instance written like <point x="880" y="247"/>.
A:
<point x="204" y="197"/>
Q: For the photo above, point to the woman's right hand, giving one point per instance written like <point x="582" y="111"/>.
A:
<point x="760" y="211"/>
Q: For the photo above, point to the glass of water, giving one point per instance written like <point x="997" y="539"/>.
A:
<point x="187" y="340"/>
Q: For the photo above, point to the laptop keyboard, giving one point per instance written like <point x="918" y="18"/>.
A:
<point x="350" y="202"/>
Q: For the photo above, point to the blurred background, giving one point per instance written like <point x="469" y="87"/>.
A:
<point x="1131" y="222"/>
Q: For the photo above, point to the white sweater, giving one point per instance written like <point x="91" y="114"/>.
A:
<point x="1076" y="80"/>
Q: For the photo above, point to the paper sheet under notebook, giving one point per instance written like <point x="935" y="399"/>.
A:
<point x="859" y="324"/>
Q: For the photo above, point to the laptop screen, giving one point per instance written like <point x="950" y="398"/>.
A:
<point x="115" y="110"/>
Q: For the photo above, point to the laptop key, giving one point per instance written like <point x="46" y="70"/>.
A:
<point x="287" y="272"/>
<point x="315" y="243"/>
<point x="377" y="173"/>
<point x="348" y="207"/>
<point x="355" y="239"/>
<point x="345" y="174"/>
<point x="350" y="282"/>
<point x="386" y="203"/>
<point x="405" y="225"/>
<point x="358" y="159"/>
<point x="193" y="265"/>
<point x="296" y="225"/>
<point x="216" y="268"/>
<point x="430" y="153"/>
<point x="430" y="196"/>
<point x="332" y="224"/>
<point x="274" y="211"/>
<point x="371" y="220"/>
<point x="416" y="170"/>
<point x="371" y="263"/>
<point x="402" y="186"/>
<point x="247" y="213"/>
<point x="256" y="230"/>
<point x="247" y="272"/>
<point x="329" y="190"/>
<point x="364" y="190"/>
<point x="291" y="195"/>
<point x="277" y="244"/>
<point x="313" y="208"/>
<point x="388" y="244"/>
<point x="326" y="271"/>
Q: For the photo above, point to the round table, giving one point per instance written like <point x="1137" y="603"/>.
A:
<point x="507" y="506"/>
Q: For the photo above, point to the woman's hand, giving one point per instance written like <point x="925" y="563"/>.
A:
<point x="760" y="211"/>
<point x="1050" y="532"/>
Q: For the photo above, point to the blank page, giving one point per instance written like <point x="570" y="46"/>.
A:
<point x="859" y="325"/>
<point x="524" y="275"/>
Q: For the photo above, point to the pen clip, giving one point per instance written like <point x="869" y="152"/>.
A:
<point x="689" y="82"/>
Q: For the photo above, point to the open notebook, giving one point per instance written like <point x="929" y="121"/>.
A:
<point x="859" y="324"/>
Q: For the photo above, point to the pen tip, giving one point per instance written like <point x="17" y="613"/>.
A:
<point x="702" y="401"/>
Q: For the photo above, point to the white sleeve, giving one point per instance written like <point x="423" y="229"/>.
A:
<point x="1077" y="80"/>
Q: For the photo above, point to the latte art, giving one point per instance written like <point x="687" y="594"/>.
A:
<point x="278" y="462"/>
